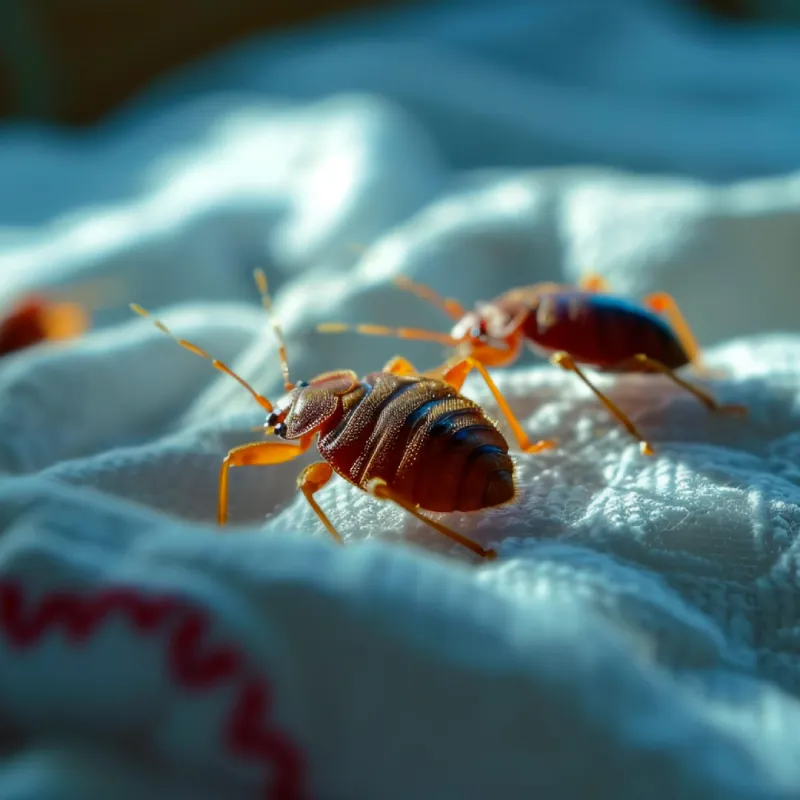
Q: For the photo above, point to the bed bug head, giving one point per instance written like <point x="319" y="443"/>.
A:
<point x="307" y="405"/>
<point x="487" y="335"/>
<point x="480" y="334"/>
<point x="310" y="404"/>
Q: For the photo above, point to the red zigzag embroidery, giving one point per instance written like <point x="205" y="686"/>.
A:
<point x="194" y="665"/>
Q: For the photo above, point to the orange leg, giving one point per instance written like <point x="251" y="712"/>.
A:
<point x="379" y="488"/>
<point x="455" y="373"/>
<point x="451" y="307"/>
<point x="665" y="305"/>
<point x="594" y="283"/>
<point x="565" y="361"/>
<point x="706" y="399"/>
<point x="315" y="476"/>
<point x="254" y="454"/>
<point x="638" y="362"/>
<point x="309" y="482"/>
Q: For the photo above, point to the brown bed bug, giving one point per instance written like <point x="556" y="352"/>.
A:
<point x="55" y="315"/>
<point x="412" y="439"/>
<point x="574" y="326"/>
<point x="35" y="318"/>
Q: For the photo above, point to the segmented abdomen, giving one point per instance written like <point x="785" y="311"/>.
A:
<point x="602" y="331"/>
<point x="431" y="445"/>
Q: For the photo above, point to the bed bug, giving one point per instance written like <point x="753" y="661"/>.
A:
<point x="35" y="318"/>
<point x="401" y="436"/>
<point x="575" y="326"/>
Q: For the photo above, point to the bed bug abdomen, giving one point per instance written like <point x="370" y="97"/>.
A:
<point x="430" y="444"/>
<point x="455" y="458"/>
<point x="602" y="331"/>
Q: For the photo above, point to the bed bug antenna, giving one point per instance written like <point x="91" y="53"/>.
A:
<point x="266" y="301"/>
<point x="382" y="330"/>
<point x="198" y="351"/>
<point x="451" y="307"/>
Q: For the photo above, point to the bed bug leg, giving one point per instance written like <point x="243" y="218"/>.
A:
<point x="706" y="399"/>
<point x="309" y="482"/>
<point x="594" y="283"/>
<point x="251" y="455"/>
<point x="451" y="307"/>
<point x="380" y="489"/>
<point x="455" y="373"/>
<point x="666" y="306"/>
<point x="565" y="361"/>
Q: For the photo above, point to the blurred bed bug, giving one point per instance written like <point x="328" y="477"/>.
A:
<point x="407" y="438"/>
<point x="34" y="319"/>
<point x="55" y="315"/>
<point x="573" y="325"/>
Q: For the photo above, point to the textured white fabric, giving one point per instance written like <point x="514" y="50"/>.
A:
<point x="638" y="636"/>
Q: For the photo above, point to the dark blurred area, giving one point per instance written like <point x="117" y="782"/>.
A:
<point x="72" y="61"/>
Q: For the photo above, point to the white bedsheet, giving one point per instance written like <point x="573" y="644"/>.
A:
<point x="638" y="636"/>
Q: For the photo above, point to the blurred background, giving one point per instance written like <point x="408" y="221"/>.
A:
<point x="72" y="62"/>
<point x="158" y="153"/>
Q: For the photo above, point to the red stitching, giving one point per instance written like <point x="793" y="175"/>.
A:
<point x="195" y="664"/>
